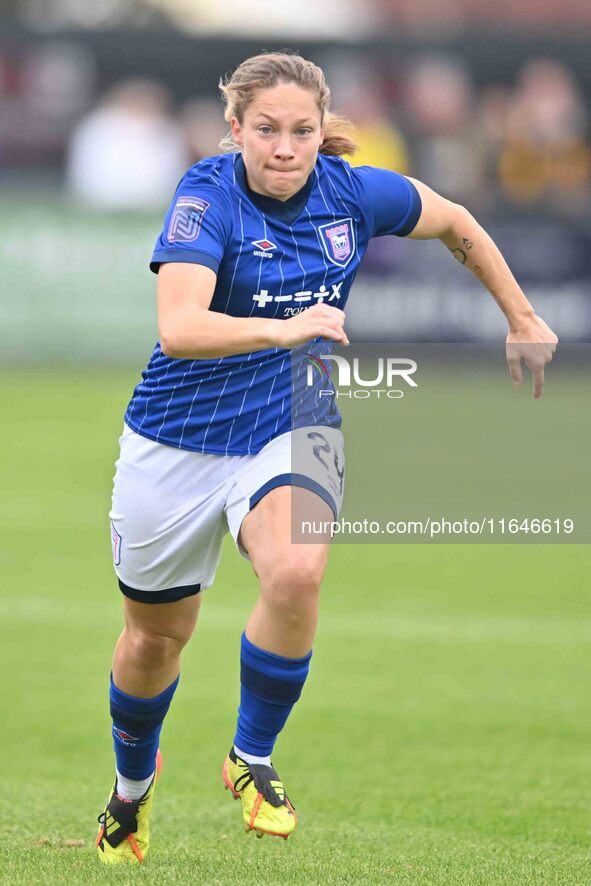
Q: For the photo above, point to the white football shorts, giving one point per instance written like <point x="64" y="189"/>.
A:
<point x="171" y="507"/>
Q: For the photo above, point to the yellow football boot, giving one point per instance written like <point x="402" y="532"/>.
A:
<point x="124" y="832"/>
<point x="265" y="806"/>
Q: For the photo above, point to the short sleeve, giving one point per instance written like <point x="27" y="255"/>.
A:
<point x="390" y="202"/>
<point x="196" y="227"/>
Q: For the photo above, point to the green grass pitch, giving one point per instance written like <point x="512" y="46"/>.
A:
<point x="443" y="737"/>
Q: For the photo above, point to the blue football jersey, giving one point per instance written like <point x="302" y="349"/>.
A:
<point x="272" y="259"/>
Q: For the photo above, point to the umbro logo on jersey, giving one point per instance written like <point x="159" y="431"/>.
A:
<point x="264" y="248"/>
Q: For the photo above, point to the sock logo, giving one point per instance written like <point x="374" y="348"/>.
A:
<point x="124" y="736"/>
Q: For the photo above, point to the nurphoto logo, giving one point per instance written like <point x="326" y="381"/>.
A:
<point x="378" y="381"/>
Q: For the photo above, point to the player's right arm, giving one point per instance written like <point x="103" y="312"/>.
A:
<point x="189" y="330"/>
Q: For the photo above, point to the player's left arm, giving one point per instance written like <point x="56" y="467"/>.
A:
<point x="529" y="338"/>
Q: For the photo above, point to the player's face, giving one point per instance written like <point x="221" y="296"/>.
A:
<point x="280" y="136"/>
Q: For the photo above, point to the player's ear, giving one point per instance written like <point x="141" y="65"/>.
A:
<point x="236" y="129"/>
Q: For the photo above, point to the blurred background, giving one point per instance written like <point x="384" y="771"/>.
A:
<point x="103" y="106"/>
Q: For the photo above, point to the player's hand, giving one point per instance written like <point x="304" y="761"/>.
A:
<point x="535" y="343"/>
<point x="320" y="321"/>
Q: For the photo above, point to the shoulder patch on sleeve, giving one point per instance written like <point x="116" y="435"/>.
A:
<point x="185" y="221"/>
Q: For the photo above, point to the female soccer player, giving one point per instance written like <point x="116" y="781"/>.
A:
<point x="257" y="255"/>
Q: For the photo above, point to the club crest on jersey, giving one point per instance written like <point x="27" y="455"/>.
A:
<point x="185" y="222"/>
<point x="263" y="248"/>
<point x="338" y="239"/>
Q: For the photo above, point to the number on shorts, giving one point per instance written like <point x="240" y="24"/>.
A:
<point x="325" y="446"/>
<point x="320" y="447"/>
<point x="340" y="472"/>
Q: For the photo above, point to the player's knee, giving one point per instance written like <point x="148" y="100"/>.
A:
<point x="294" y="582"/>
<point x="155" y="648"/>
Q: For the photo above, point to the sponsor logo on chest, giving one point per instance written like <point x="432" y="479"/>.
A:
<point x="263" y="297"/>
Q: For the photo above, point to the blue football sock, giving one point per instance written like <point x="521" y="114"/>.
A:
<point x="136" y="729"/>
<point x="270" y="685"/>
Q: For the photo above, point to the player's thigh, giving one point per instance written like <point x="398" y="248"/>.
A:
<point x="175" y="621"/>
<point x="266" y="534"/>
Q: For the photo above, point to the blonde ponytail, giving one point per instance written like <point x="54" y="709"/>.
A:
<point x="339" y="133"/>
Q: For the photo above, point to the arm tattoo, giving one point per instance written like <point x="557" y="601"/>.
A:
<point x="467" y="243"/>
<point x="460" y="255"/>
